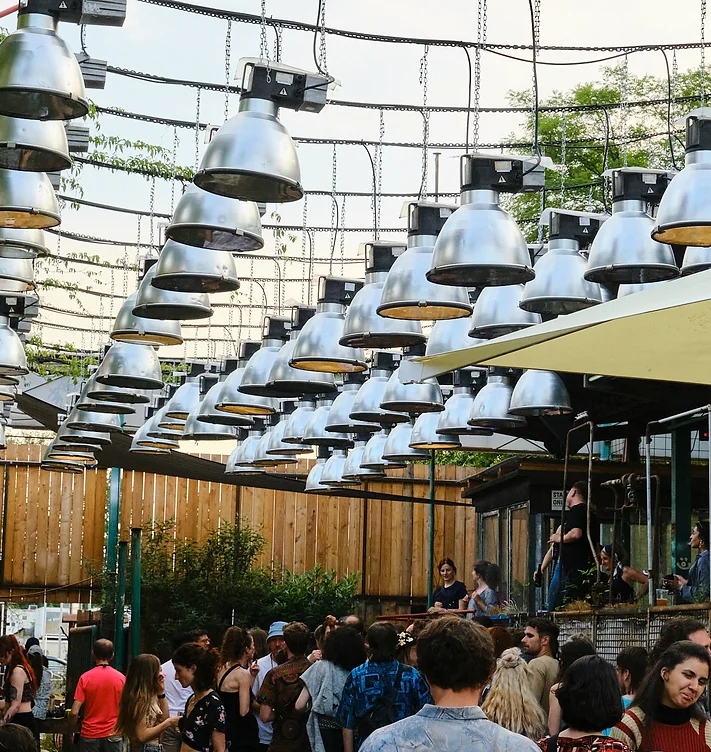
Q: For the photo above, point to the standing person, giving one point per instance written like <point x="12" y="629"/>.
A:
<point x="43" y="675"/>
<point x="456" y="657"/>
<point x="665" y="715"/>
<point x="485" y="598"/>
<point x="259" y="638"/>
<point x="696" y="588"/>
<point x="676" y="630"/>
<point x="99" y="693"/>
<point x="175" y="693"/>
<point x="234" y="685"/>
<point x="143" y="713"/>
<point x="631" y="666"/>
<point x="281" y="689"/>
<point x="451" y="591"/>
<point x="510" y="702"/>
<point x="622" y="578"/>
<point x="16" y="738"/>
<point x="354" y="621"/>
<point x="203" y="725"/>
<point x="381" y="690"/>
<point x="276" y="644"/>
<point x="343" y="650"/>
<point x="576" y="648"/>
<point x="590" y="700"/>
<point x="19" y="686"/>
<point x="540" y="641"/>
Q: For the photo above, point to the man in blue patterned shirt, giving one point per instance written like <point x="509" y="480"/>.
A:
<point x="375" y="679"/>
<point x="456" y="657"/>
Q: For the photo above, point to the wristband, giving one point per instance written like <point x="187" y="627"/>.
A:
<point x="161" y="697"/>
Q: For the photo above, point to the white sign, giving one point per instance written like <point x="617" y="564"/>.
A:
<point x="557" y="499"/>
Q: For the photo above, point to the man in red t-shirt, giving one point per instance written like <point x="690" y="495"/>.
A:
<point x="99" y="692"/>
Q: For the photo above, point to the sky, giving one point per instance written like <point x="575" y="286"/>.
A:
<point x="182" y="45"/>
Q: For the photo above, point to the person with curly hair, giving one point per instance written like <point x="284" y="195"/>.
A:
<point x="510" y="702"/>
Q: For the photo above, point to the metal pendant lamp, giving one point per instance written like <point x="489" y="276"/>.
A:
<point x="17" y="275"/>
<point x="363" y="326"/>
<point x="397" y="446"/>
<point x="8" y="393"/>
<point x="424" y="434"/>
<point x="286" y="381"/>
<point x="83" y="437"/>
<point x="497" y="312"/>
<point x="142" y="331"/>
<point x="492" y="403"/>
<point x="33" y="145"/>
<point x="539" y="393"/>
<point x="246" y="451"/>
<point x="130" y="366"/>
<point x="22" y="243"/>
<point x="454" y="420"/>
<point x="416" y="398"/>
<point x="313" y="483"/>
<point x="332" y="474"/>
<point x="366" y="405"/>
<point x="624" y="251"/>
<point x="234" y="401"/>
<point x="339" y="416"/>
<point x="352" y="470"/>
<point x="262" y="456"/>
<point x="197" y="430"/>
<point x="216" y="223"/>
<point x="212" y="388"/>
<point x="3" y="437"/>
<point x="232" y="467"/>
<point x="624" y="290"/>
<point x="186" y="397"/>
<point x="318" y="345"/>
<point x="407" y="291"/>
<point x="84" y="420"/>
<point x="450" y="336"/>
<point x="13" y="361"/>
<point x="163" y="427"/>
<point x="277" y="446"/>
<point x="252" y="157"/>
<point x="98" y="392"/>
<point x="66" y="445"/>
<point x="27" y="200"/>
<point x="296" y="426"/>
<point x="150" y="437"/>
<point x="373" y="455"/>
<point x="257" y="372"/>
<point x="68" y="468"/>
<point x="480" y="244"/>
<point x="185" y="268"/>
<point x="79" y="454"/>
<point x="695" y="260"/>
<point x="112" y="399"/>
<point x="684" y="217"/>
<point x="315" y="432"/>
<point x="41" y="78"/>
<point x="153" y="303"/>
<point x="138" y="446"/>
<point x="559" y="286"/>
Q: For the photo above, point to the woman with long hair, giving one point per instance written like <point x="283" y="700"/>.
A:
<point x="510" y="702"/>
<point x="621" y="578"/>
<point x="664" y="715"/>
<point x="204" y="725"/>
<point x="19" y="687"/>
<point x="343" y="650"/>
<point x="591" y="701"/>
<point x="569" y="652"/>
<point x="39" y="662"/>
<point x="485" y="597"/>
<point x="451" y="591"/>
<point x="261" y="647"/>
<point x="234" y="686"/>
<point x="143" y="713"/>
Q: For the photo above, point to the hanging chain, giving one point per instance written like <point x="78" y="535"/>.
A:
<point x="334" y="206"/>
<point x="124" y="263"/>
<point x="278" y="42"/>
<point x="591" y="201"/>
<point x="197" y="130"/>
<point x="379" y="172"/>
<point x="151" y="237"/>
<point x="541" y="208"/>
<point x="703" y="53"/>
<point x="534" y="85"/>
<point x="263" y="46"/>
<point x="563" y="156"/>
<point x="230" y="327"/>
<point x="343" y="235"/>
<point x="304" y="240"/>
<point x="228" y="61"/>
<point x="322" y="40"/>
<point x="674" y="83"/>
<point x="176" y="142"/>
<point x="111" y="290"/>
<point x="139" y="245"/>
<point x="481" y="30"/>
<point x="425" y="121"/>
<point x="624" y="104"/>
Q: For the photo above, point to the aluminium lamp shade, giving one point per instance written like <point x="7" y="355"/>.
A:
<point x="97" y="392"/>
<point x="232" y="466"/>
<point x="153" y="303"/>
<point x="352" y="470"/>
<point x="296" y="425"/>
<point x="247" y="450"/>
<point x="277" y="446"/>
<point x="16" y="275"/>
<point x="162" y="427"/>
<point x="184" y="268"/>
<point x="130" y="366"/>
<point x="185" y="398"/>
<point x="332" y="474"/>
<point x="497" y="312"/>
<point x="142" y="331"/>
<point x="262" y="456"/>
<point x="40" y="78"/>
<point x="27" y="200"/>
<point x="144" y="440"/>
<point x="366" y="405"/>
<point x="208" y="413"/>
<point x="397" y="446"/>
<point x="22" y="243"/>
<point x="449" y="336"/>
<point x="33" y="145"/>
<point x="257" y="372"/>
<point x="339" y="416"/>
<point x="318" y="345"/>
<point x="492" y="403"/>
<point x="373" y="455"/>
<point x="66" y="446"/>
<point x="684" y="217"/>
<point x="70" y="468"/>
<point x="13" y="361"/>
<point x="83" y="437"/>
<point x="416" y="398"/>
<point x="539" y="393"/>
<point x="481" y="245"/>
<point x="233" y="401"/>
<point x="315" y="432"/>
<point x="363" y="326"/>
<point x="424" y="434"/>
<point x="454" y="420"/>
<point x="94" y="406"/>
<point x="696" y="259"/>
<point x="84" y="420"/>
<point x="407" y="292"/>
<point x="197" y="430"/>
<point x="624" y="251"/>
<point x="313" y="483"/>
<point x="7" y="393"/>
<point x="216" y="223"/>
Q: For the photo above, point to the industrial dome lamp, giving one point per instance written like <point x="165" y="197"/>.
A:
<point x="130" y="366"/>
<point x="33" y="145"/>
<point x="373" y="454"/>
<point x="315" y="432"/>
<point x="233" y="467"/>
<point x="481" y="245"/>
<point x="212" y="389"/>
<point x="366" y="405"/>
<point x="255" y="379"/>
<point x="415" y="398"/>
<point x="17" y="275"/>
<point x="154" y="303"/>
<point x="234" y="401"/>
<point x="277" y="446"/>
<point x="498" y="312"/>
<point x="16" y="242"/>
<point x="79" y="454"/>
<point x="83" y="420"/>
<point x="72" y="435"/>
<point x="539" y="393"/>
<point x="113" y="399"/>
<point x="286" y="381"/>
<point x="352" y="470"/>
<point x="198" y="430"/>
<point x="332" y="474"/>
<point x="185" y="268"/>
<point x="454" y="420"/>
<point x="559" y="286"/>
<point x="452" y="334"/>
<point x="318" y="345"/>
<point x="398" y="447"/>
<point x="407" y="293"/>
<point x="363" y="326"/>
<point x="696" y="259"/>
<point x="187" y="396"/>
<point x="245" y="453"/>
<point x="98" y="392"/>
<point x="339" y="416"/>
<point x="492" y="403"/>
<point x="252" y="157"/>
<point x="313" y="483"/>
<point x="282" y="454"/>
<point x="296" y="426"/>
<point x="424" y="434"/>
<point x="13" y="361"/>
<point x="141" y="331"/>
<point x="142" y="443"/>
<point x="216" y="223"/>
<point x="27" y="200"/>
<point x="624" y="251"/>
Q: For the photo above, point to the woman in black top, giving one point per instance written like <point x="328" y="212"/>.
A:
<point x="621" y="578"/>
<point x="451" y="591"/>
<point x="19" y="687"/>
<point x="203" y="726"/>
<point x="234" y="686"/>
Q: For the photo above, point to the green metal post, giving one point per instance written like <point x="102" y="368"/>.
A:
<point x="135" y="591"/>
<point x="114" y="509"/>
<point x="681" y="500"/>
<point x="430" y="557"/>
<point x="119" y="643"/>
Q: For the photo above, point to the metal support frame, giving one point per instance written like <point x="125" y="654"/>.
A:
<point x="430" y="548"/>
<point x="135" y="591"/>
<point x="114" y="512"/>
<point x="681" y="500"/>
<point x="119" y="642"/>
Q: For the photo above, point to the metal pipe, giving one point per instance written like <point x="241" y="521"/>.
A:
<point x="589" y="504"/>
<point x="703" y="409"/>
<point x="9" y="11"/>
<point x="135" y="591"/>
<point x="708" y="416"/>
<point x="119" y="642"/>
<point x="648" y="488"/>
<point x="430" y="562"/>
<point x="437" y="155"/>
<point x="114" y="509"/>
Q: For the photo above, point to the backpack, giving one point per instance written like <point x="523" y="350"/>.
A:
<point x="597" y="744"/>
<point x="383" y="711"/>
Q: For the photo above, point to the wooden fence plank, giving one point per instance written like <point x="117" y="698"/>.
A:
<point x="65" y="513"/>
<point x="289" y="506"/>
<point x="75" y="524"/>
<point x="18" y="536"/>
<point x="32" y="519"/>
<point x="43" y="525"/>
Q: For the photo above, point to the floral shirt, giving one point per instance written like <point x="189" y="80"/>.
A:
<point x="197" y="725"/>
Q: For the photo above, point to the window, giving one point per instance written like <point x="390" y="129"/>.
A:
<point x="519" y="576"/>
<point x="490" y="536"/>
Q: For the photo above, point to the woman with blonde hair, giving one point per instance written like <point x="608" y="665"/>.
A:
<point x="510" y="702"/>
<point x="143" y="710"/>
